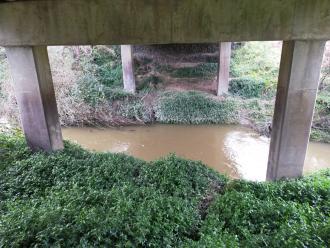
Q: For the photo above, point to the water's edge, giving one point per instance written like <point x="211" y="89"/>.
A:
<point x="234" y="150"/>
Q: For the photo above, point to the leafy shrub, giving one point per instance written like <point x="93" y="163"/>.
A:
<point x="12" y="148"/>
<point x="126" y="216"/>
<point x="106" y="63"/>
<point x="82" y="199"/>
<point x="257" y="64"/>
<point x="293" y="213"/>
<point x="323" y="102"/>
<point x="101" y="74"/>
<point x="320" y="135"/>
<point x="77" y="198"/>
<point x="321" y="119"/>
<point x="93" y="93"/>
<point x="245" y="216"/>
<point x="194" y="108"/>
<point x="247" y="87"/>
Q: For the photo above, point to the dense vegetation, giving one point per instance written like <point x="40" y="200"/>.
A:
<point x="78" y="198"/>
<point x="321" y="123"/>
<point x="88" y="84"/>
<point x="195" y="108"/>
<point x="254" y="70"/>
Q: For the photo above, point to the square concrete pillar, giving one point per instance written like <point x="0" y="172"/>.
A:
<point x="35" y="96"/>
<point x="295" y="100"/>
<point x="128" y="68"/>
<point x="224" y="67"/>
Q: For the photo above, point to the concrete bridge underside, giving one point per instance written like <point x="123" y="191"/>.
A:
<point x="28" y="27"/>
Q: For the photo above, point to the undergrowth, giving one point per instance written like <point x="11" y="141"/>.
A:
<point x="101" y="76"/>
<point x="254" y="69"/>
<point x="81" y="199"/>
<point x="195" y="108"/>
<point x="204" y="70"/>
<point x="89" y="89"/>
<point x="78" y="198"/>
<point x="321" y="121"/>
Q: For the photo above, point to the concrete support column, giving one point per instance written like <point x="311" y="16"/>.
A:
<point x="224" y="66"/>
<point x="295" y="100"/>
<point x="35" y="97"/>
<point x="128" y="68"/>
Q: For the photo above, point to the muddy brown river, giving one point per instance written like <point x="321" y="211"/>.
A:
<point x="232" y="150"/>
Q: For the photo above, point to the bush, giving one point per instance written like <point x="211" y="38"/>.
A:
<point x="194" y="108"/>
<point x="244" y="216"/>
<point x="77" y="198"/>
<point x="255" y="63"/>
<point x="320" y="135"/>
<point x="321" y="119"/>
<point x="101" y="74"/>
<point x="93" y="93"/>
<point x="293" y="213"/>
<point x="247" y="87"/>
<point x="323" y="102"/>
<point x="106" y="64"/>
<point x="82" y="199"/>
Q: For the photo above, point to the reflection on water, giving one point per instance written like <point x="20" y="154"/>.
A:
<point x="248" y="152"/>
<point x="232" y="150"/>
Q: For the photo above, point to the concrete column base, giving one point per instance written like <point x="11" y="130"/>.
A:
<point x="295" y="100"/>
<point x="224" y="67"/>
<point x="35" y="97"/>
<point x="128" y="68"/>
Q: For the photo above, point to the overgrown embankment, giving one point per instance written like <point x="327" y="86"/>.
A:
<point x="176" y="84"/>
<point x="79" y="198"/>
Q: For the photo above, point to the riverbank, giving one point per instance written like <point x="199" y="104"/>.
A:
<point x="78" y="198"/>
<point x="175" y="84"/>
<point x="192" y="107"/>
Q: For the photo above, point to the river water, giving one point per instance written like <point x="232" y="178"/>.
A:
<point x="233" y="150"/>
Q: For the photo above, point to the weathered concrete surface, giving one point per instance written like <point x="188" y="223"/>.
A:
<point x="224" y="67"/>
<point x="128" y="68"/>
<point x="296" y="93"/>
<point x="79" y="22"/>
<point x="35" y="97"/>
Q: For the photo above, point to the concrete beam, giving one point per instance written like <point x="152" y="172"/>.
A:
<point x="128" y="68"/>
<point x="224" y="67"/>
<point x="93" y="22"/>
<point x="35" y="97"/>
<point x="295" y="100"/>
